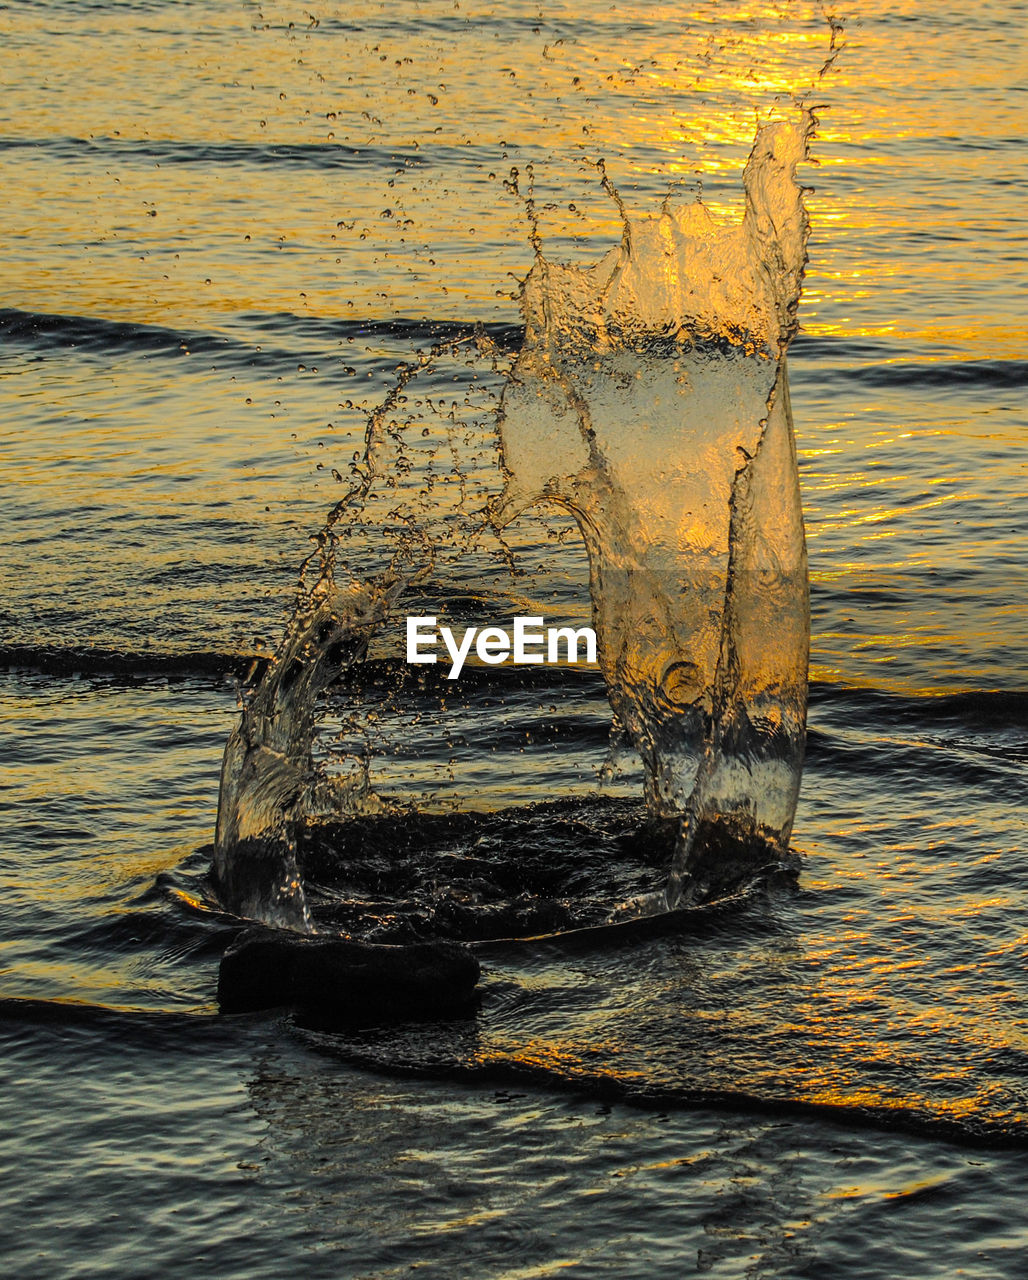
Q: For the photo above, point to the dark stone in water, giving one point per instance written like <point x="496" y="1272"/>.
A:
<point x="336" y="980"/>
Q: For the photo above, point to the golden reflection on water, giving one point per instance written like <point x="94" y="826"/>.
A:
<point x="198" y="240"/>
<point x="143" y="238"/>
<point x="153" y="240"/>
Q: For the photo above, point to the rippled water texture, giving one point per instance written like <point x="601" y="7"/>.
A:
<point x="225" y="227"/>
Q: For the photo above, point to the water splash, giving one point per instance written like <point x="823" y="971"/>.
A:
<point x="649" y="401"/>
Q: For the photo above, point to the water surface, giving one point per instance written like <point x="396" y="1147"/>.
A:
<point x="225" y="227"/>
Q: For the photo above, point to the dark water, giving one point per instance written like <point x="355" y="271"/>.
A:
<point x="205" y="294"/>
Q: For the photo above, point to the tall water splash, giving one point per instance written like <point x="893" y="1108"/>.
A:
<point x="650" y="401"/>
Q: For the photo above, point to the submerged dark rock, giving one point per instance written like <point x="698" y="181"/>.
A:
<point x="335" y="979"/>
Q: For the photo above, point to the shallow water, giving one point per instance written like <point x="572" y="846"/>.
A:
<point x="825" y="1078"/>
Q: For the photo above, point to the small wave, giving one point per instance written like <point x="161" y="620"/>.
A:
<point x="967" y="710"/>
<point x="105" y="6"/>
<point x="416" y="1051"/>
<point x="948" y="375"/>
<point x="96" y="335"/>
<point x="903" y="752"/>
<point x="311" y="339"/>
<point x="89" y="660"/>
<point x="128" y="1022"/>
<point x="835" y="349"/>
<point x="409" y="329"/>
<point x="560" y="27"/>
<point x="318" y="156"/>
<point x="413" y="1053"/>
<point x="879" y="364"/>
<point x="79" y="660"/>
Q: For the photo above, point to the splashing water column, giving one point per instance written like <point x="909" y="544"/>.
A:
<point x="268" y="777"/>
<point x="650" y="401"/>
